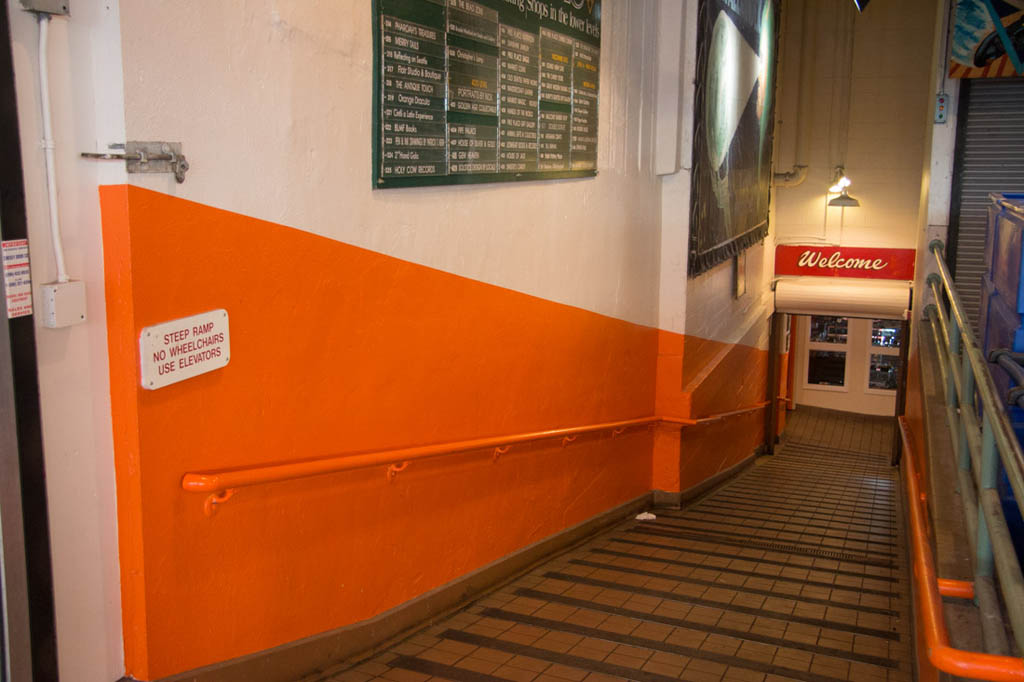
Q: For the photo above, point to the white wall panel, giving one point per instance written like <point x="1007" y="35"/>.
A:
<point x="272" y="101"/>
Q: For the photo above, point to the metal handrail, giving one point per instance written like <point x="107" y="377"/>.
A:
<point x="970" y="391"/>
<point x="222" y="485"/>
<point x="1010" y="362"/>
<point x="930" y="589"/>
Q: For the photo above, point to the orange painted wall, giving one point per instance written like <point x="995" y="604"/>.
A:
<point x="337" y="349"/>
<point x="712" y="448"/>
<point x="785" y="389"/>
<point x="697" y="378"/>
<point x="914" y="413"/>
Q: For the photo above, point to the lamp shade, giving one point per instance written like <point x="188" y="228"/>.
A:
<point x="844" y="200"/>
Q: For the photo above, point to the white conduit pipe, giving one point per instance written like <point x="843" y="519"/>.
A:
<point x="47" y="142"/>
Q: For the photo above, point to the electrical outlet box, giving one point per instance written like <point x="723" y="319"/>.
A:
<point x="63" y="303"/>
<point x="941" y="107"/>
<point x="46" y="6"/>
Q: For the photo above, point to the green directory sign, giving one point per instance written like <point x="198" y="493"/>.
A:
<point x="485" y="90"/>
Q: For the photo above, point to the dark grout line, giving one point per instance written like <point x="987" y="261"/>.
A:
<point x="840" y="455"/>
<point x="880" y="661"/>
<point x="794" y="514"/>
<point x="779" y="527"/>
<point x="847" y="494"/>
<point x="672" y="528"/>
<point x="801" y="463"/>
<point x="781" y="547"/>
<point x="692" y="550"/>
<point x="771" y="502"/>
<point x="834" y="459"/>
<point x="848" y="510"/>
<point x="449" y="672"/>
<point x="804" y="463"/>
<point x="750" y="574"/>
<point x="739" y="588"/>
<point x="643" y="642"/>
<point x="579" y="662"/>
<point x="853" y="486"/>
<point x="683" y="515"/>
<point x="798" y="444"/>
<point x="726" y="606"/>
<point x="626" y="672"/>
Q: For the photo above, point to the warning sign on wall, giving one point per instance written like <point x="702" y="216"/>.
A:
<point x="184" y="348"/>
<point x="17" y="277"/>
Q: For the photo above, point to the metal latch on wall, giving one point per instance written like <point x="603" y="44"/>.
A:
<point x="147" y="157"/>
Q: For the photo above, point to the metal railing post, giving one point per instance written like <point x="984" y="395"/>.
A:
<point x="953" y="341"/>
<point x="945" y="329"/>
<point x="999" y="582"/>
<point x="967" y="386"/>
<point x="984" y="563"/>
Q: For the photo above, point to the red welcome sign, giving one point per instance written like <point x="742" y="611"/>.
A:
<point x="845" y="261"/>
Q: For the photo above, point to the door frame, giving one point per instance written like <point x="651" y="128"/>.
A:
<point x="27" y="562"/>
<point x="855" y="392"/>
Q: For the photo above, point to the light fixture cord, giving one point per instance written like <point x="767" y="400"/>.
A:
<point x="842" y="58"/>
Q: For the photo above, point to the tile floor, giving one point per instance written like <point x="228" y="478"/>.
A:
<point x="791" y="571"/>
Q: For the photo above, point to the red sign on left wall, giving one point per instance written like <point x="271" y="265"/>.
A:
<point x="845" y="261"/>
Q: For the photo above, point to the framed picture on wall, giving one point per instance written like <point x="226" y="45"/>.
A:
<point x="733" y="119"/>
<point x="987" y="39"/>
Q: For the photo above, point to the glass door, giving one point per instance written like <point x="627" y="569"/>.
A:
<point x="827" y="347"/>
<point x="884" y="369"/>
<point x="847" y="364"/>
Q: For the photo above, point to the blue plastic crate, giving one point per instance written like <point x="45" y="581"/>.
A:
<point x="1001" y="320"/>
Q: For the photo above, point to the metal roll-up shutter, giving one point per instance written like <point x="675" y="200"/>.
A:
<point x="990" y="158"/>
<point x="843" y="298"/>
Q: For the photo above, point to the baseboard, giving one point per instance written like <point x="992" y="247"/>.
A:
<point x="314" y="655"/>
<point x="719" y="478"/>
<point x="667" y="500"/>
<point x="662" y="499"/>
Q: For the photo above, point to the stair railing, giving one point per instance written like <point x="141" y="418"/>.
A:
<point x="982" y="440"/>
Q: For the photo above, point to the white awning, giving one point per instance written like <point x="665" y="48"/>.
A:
<point x="888" y="300"/>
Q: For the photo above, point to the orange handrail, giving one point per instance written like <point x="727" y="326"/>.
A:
<point x="962" y="589"/>
<point x="222" y="480"/>
<point x="970" y="664"/>
<point x="222" y="484"/>
<point x="714" y="417"/>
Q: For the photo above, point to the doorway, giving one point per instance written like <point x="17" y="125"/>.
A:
<point x="847" y="363"/>
<point x="29" y="636"/>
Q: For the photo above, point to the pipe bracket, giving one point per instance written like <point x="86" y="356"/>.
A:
<point x="394" y="469"/>
<point x="217" y="498"/>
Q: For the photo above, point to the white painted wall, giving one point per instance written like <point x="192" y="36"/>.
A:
<point x="884" y="149"/>
<point x="937" y="171"/>
<point x="713" y="312"/>
<point x="704" y="306"/>
<point x="87" y="100"/>
<point x="271" y="100"/>
<point x="890" y="87"/>
<point x="677" y="59"/>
